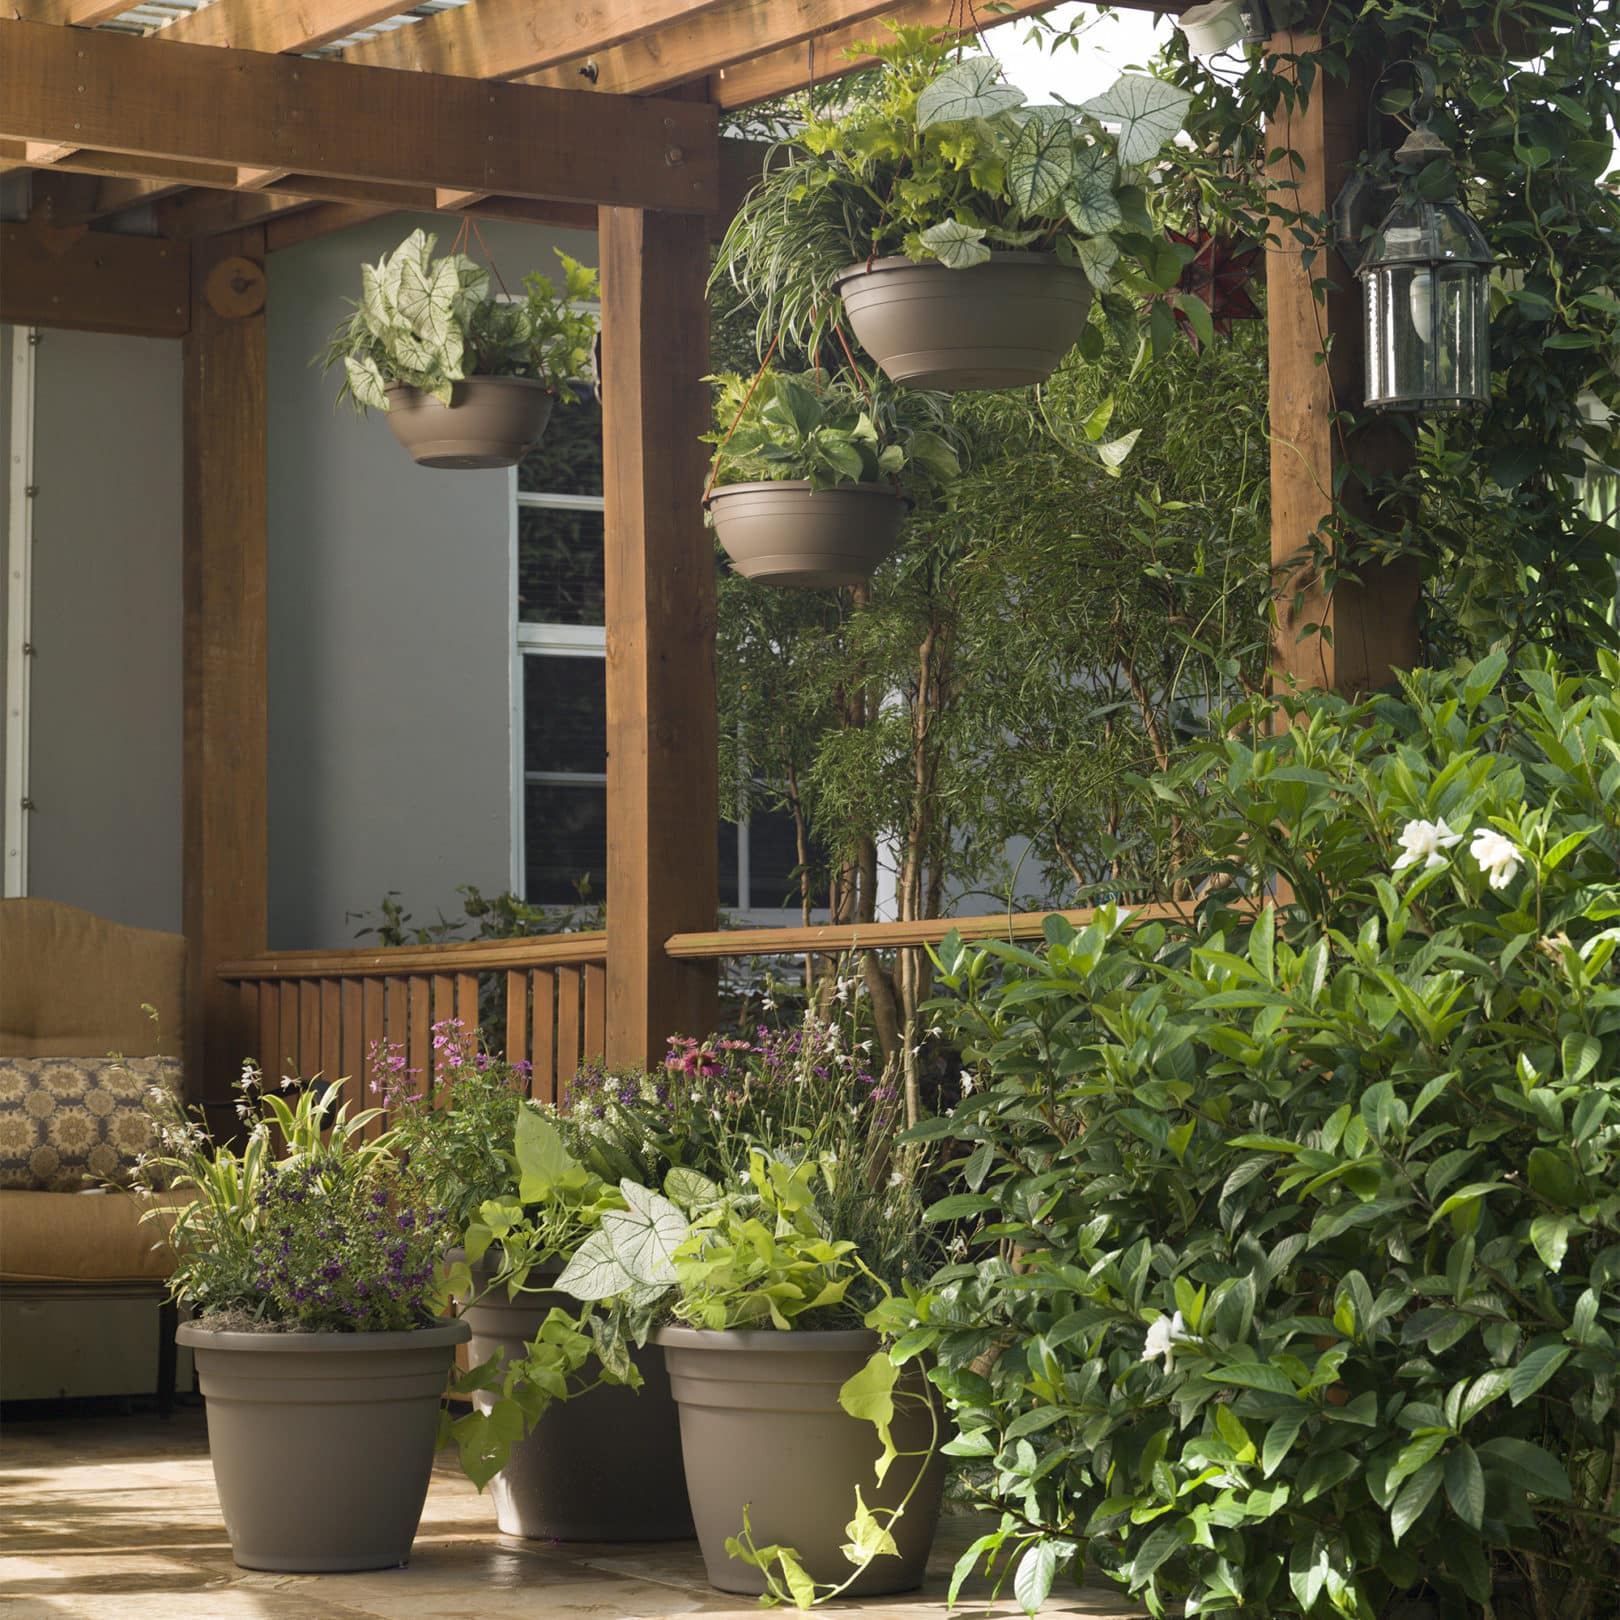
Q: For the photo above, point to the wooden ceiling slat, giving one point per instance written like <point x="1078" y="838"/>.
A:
<point x="499" y="39"/>
<point x="277" y="25"/>
<point x="74" y="13"/>
<point x="154" y="98"/>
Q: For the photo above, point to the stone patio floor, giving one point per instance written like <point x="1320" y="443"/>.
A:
<point x="115" y="1518"/>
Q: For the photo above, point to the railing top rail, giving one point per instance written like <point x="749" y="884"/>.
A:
<point x="454" y="956"/>
<point x="840" y="937"/>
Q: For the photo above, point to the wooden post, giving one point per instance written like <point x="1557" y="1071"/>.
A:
<point x="1372" y="625"/>
<point x="662" y="731"/>
<point x="225" y="676"/>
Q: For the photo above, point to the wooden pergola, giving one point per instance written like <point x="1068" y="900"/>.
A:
<point x="601" y="114"/>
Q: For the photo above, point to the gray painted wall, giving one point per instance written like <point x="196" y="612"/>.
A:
<point x="390" y="589"/>
<point x="105" y="724"/>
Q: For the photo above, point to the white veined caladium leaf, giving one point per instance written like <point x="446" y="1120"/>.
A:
<point x="594" y="1272"/>
<point x="956" y="245"/>
<point x="1098" y="255"/>
<point x="412" y="353"/>
<point x="1041" y="161"/>
<point x="646" y="1235"/>
<point x="366" y="382"/>
<point x="973" y="88"/>
<point x="1090" y="199"/>
<point x="1148" y="113"/>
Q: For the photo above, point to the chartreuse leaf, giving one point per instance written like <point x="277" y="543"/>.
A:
<point x="869" y="1537"/>
<point x="869" y="1396"/>
<point x="543" y="1161"/>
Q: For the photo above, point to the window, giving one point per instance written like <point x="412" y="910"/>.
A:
<point x="560" y="697"/>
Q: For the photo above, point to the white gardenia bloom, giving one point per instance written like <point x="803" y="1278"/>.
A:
<point x="1162" y="1338"/>
<point x="1423" y="841"/>
<point x="1497" y="856"/>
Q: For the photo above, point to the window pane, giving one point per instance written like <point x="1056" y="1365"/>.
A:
<point x="564" y="714"/>
<point x="728" y="863"/>
<point x="559" y="566"/>
<point x="773" y="859"/>
<point x="568" y="458"/>
<point x="565" y="840"/>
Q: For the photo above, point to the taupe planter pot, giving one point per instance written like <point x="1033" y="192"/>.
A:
<point x="489" y="422"/>
<point x="1003" y="324"/>
<point x="605" y="1466"/>
<point x="322" y="1443"/>
<point x="786" y="533"/>
<point x="761" y="1427"/>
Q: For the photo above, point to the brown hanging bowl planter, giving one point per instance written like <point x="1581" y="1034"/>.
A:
<point x="785" y="533"/>
<point x="489" y="422"/>
<point x="1003" y="324"/>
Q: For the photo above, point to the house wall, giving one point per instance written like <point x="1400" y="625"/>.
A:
<point x="105" y="686"/>
<point x="390" y="638"/>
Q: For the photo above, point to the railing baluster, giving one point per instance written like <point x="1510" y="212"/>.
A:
<point x="467" y="1000"/>
<point x="351" y="1060"/>
<point x="288" y="1066"/>
<point x="420" y="1037"/>
<point x="543" y="1081"/>
<point x="568" y="1002"/>
<point x="517" y="1017"/>
<point x="595" y="1011"/>
<point x="269" y="1026"/>
<point x="331" y="1031"/>
<point x="373" y="1028"/>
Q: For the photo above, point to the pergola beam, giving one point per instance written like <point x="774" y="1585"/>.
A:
<point x="137" y="286"/>
<point x="150" y="98"/>
<point x="499" y="39"/>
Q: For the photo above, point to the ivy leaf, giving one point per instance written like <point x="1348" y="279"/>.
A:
<point x="955" y="245"/>
<point x="1149" y="112"/>
<point x="1040" y="164"/>
<point x="1089" y="198"/>
<point x="973" y="88"/>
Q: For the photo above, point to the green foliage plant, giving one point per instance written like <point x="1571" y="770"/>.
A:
<point x="825" y="429"/>
<point x="941" y="160"/>
<point x="1290" y="1271"/>
<point x="428" y="322"/>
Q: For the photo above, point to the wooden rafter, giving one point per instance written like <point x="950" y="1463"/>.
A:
<point x="276" y="25"/>
<point x="74" y="13"/>
<point x="146" y="97"/>
<point x="499" y="39"/>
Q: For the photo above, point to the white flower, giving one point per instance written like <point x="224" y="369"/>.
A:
<point x="1162" y="1338"/>
<point x="842" y="991"/>
<point x="967" y="1084"/>
<point x="1423" y="841"/>
<point x="1497" y="856"/>
<point x="768" y="1004"/>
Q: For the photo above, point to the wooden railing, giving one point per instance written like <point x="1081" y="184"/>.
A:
<point x="323" y="1012"/>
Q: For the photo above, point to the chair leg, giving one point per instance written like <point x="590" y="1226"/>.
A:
<point x="168" y="1355"/>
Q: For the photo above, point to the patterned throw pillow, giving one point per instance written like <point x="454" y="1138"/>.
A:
<point x="71" y="1123"/>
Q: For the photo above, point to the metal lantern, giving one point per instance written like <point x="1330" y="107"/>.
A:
<point x="1425" y="283"/>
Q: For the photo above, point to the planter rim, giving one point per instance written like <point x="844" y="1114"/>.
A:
<point x="832" y="1341"/>
<point x="198" y="1336"/>
<point x="1013" y="258"/>
<point x="477" y="377"/>
<point x="801" y="486"/>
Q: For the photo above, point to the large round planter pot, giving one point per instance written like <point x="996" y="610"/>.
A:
<point x="761" y="1428"/>
<point x="1002" y="324"/>
<point x="605" y="1466"/>
<point x="786" y="533"/>
<point x="322" y="1443"/>
<point x="489" y="422"/>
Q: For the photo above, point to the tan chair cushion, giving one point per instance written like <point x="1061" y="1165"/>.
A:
<point x="72" y="983"/>
<point x="83" y="1238"/>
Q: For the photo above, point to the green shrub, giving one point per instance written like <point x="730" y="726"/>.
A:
<point x="1294" y="1274"/>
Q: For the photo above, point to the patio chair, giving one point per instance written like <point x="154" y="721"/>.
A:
<point x="83" y="1304"/>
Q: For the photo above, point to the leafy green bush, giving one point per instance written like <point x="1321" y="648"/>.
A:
<point x="1295" y="1280"/>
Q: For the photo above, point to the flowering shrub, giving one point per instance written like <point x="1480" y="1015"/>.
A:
<point x="1296" y="1279"/>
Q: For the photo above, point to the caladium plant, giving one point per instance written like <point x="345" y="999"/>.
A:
<point x="429" y="322"/>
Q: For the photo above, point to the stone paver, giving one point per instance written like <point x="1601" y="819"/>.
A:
<point x="115" y="1518"/>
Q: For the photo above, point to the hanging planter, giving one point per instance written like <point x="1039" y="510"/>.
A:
<point x="817" y="459"/>
<point x="1002" y="323"/>
<point x="961" y="231"/>
<point x="566" y="1479"/>
<point x="787" y="533"/>
<point x="489" y="422"/>
<point x="467" y="379"/>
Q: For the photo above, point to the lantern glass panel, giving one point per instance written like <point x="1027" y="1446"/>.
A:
<point x="1427" y="299"/>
